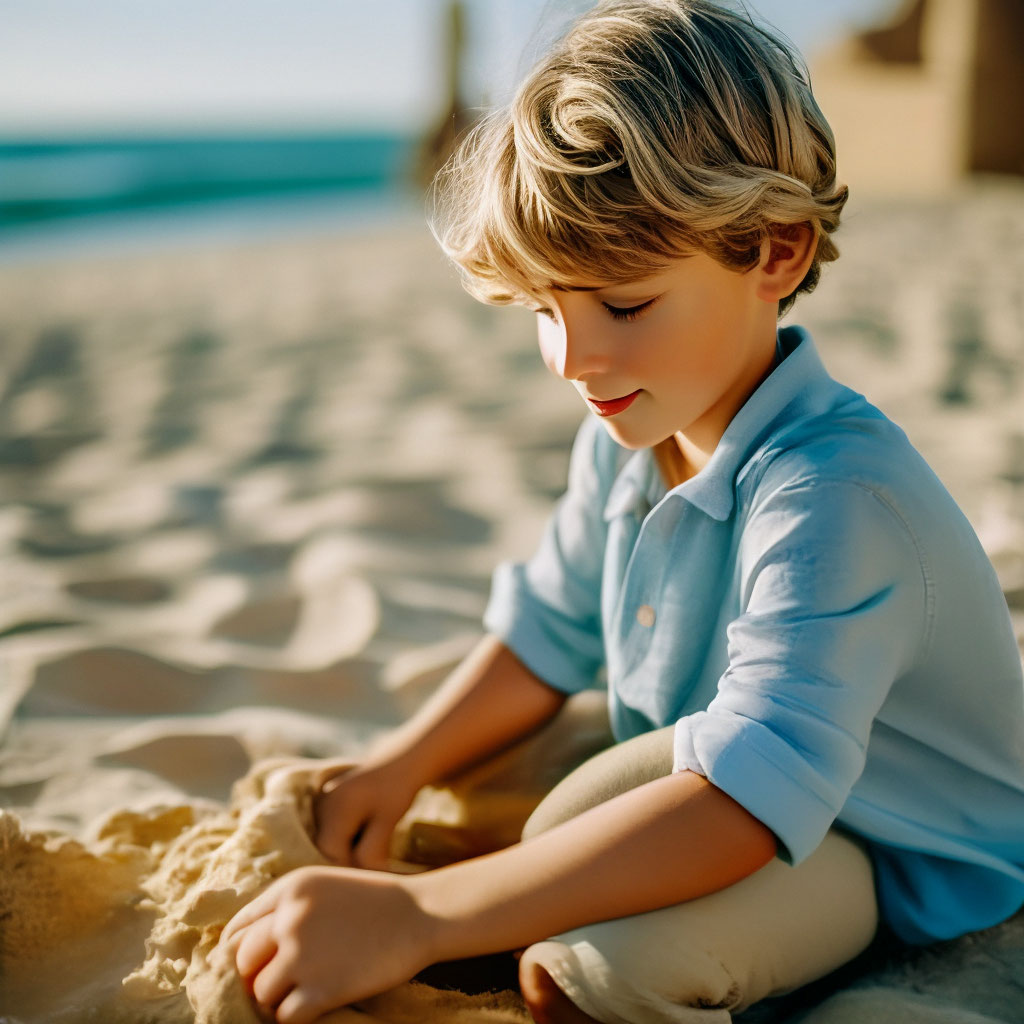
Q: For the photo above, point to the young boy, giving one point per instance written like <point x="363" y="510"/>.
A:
<point x="811" y="673"/>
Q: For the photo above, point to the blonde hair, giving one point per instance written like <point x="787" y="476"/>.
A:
<point x="654" y="129"/>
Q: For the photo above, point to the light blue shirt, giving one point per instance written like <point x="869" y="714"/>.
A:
<point x="817" y="617"/>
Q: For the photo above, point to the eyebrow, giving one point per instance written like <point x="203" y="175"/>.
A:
<point x="577" y="287"/>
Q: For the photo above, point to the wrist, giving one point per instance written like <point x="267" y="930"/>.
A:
<point x="465" y="908"/>
<point x="435" y="927"/>
<point x="393" y="754"/>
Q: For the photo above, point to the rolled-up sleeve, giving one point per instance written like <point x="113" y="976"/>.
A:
<point x="548" y="610"/>
<point x="834" y="608"/>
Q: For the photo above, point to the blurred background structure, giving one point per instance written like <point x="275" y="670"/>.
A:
<point x="929" y="97"/>
<point x="440" y="142"/>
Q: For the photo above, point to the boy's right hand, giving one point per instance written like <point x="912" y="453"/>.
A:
<point x="356" y="811"/>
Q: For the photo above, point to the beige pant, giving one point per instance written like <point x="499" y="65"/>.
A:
<point x="699" y="961"/>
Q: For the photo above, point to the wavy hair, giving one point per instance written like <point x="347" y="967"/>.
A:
<point x="654" y="129"/>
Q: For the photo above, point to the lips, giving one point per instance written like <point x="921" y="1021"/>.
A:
<point x="614" y="406"/>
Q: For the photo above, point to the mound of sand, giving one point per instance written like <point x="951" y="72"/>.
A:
<point x="125" y="928"/>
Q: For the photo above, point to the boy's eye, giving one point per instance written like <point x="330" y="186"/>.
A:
<point x="617" y="312"/>
<point x="628" y="313"/>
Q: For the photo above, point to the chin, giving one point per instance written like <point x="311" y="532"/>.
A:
<point x="634" y="439"/>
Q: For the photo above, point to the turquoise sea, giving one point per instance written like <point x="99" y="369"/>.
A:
<point x="99" y="194"/>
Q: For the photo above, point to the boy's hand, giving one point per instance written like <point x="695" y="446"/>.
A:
<point x="357" y="809"/>
<point x="321" y="938"/>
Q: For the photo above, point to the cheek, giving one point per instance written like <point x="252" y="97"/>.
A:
<point x="699" y="352"/>
<point x="707" y="361"/>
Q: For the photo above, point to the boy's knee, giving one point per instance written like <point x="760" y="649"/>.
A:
<point x="615" y="770"/>
<point x="545" y="816"/>
<point x="611" y="973"/>
<point x="547" y="1003"/>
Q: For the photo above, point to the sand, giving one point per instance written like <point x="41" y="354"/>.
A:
<point x="167" y="881"/>
<point x="251" y="501"/>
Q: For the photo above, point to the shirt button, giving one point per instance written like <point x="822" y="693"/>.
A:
<point x="645" y="615"/>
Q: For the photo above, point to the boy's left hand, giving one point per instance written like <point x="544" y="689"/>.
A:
<point x="323" y="937"/>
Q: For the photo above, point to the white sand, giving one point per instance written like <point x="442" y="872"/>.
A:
<point x="252" y="499"/>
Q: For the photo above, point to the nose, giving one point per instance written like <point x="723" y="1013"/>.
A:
<point x="568" y="349"/>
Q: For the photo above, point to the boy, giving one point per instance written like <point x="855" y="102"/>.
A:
<point x="812" y="677"/>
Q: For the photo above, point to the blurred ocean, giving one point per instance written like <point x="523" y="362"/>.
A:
<point x="59" y="195"/>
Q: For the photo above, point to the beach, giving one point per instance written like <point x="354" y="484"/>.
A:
<point x="252" y="498"/>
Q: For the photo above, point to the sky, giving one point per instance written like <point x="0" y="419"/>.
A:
<point x="164" y="65"/>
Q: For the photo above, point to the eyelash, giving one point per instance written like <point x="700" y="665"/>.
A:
<point x="631" y="313"/>
<point x="617" y="312"/>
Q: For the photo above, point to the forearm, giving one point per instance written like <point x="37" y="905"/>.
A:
<point x="488" y="702"/>
<point x="670" y="840"/>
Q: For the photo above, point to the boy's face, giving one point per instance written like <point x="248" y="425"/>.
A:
<point x="676" y="353"/>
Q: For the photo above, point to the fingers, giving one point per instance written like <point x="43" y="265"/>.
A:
<point x="372" y="851"/>
<point x="256" y="947"/>
<point x="355" y="813"/>
<point x="274" y="987"/>
<point x="358" y="843"/>
<point x="271" y="975"/>
<point x="335" y="839"/>
<point x="329" y="774"/>
<point x="298" y="1007"/>
<point x="267" y="955"/>
<point x="273" y="984"/>
<point x="339" y="824"/>
<point x="256" y="908"/>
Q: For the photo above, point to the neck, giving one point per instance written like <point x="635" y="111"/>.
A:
<point x="674" y="466"/>
<point x="691" y="449"/>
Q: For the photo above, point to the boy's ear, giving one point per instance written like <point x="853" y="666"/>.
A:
<point x="786" y="256"/>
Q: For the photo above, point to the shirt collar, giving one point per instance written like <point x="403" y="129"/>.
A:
<point x="799" y="386"/>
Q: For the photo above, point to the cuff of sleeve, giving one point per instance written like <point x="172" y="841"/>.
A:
<point x="762" y="773"/>
<point x="557" y="650"/>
